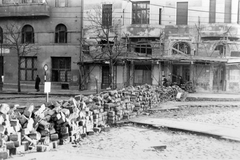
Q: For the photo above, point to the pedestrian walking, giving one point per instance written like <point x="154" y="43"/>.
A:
<point x="37" y="82"/>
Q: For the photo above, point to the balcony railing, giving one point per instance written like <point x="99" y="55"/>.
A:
<point x="24" y="10"/>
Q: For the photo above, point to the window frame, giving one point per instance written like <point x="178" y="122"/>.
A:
<point x="61" y="35"/>
<point x="1" y="35"/>
<point x="27" y="36"/>
<point x="107" y="15"/>
<point x="56" y="71"/>
<point x="57" y="3"/>
<point x="136" y="11"/>
<point x="32" y="68"/>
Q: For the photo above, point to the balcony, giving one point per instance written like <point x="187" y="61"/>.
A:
<point x="24" y="10"/>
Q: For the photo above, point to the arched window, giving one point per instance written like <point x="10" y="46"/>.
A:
<point x="181" y="48"/>
<point x="27" y="34"/>
<point x="1" y="35"/>
<point x="61" y="34"/>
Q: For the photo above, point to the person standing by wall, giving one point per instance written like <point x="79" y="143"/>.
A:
<point x="37" y="82"/>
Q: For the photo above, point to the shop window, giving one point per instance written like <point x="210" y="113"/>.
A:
<point x="61" y="69"/>
<point x="140" y="12"/>
<point x="28" y="68"/>
<point x="61" y="34"/>
<point x="27" y="34"/>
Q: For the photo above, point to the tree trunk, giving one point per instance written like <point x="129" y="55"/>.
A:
<point x="19" y="74"/>
<point x="111" y="73"/>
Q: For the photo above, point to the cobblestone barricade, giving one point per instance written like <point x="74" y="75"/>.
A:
<point x="41" y="128"/>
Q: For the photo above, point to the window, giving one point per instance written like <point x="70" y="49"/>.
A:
<point x="1" y="35"/>
<point x="235" y="54"/>
<point x="221" y="48"/>
<point x="61" y="3"/>
<point x="160" y="16"/>
<point x="61" y="34"/>
<point x="212" y="11"/>
<point x="28" y="68"/>
<point x="228" y="11"/>
<point x="107" y="15"/>
<point x="182" y="13"/>
<point x="61" y="69"/>
<point x="27" y="34"/>
<point x="86" y="49"/>
<point x="181" y="48"/>
<point x="140" y="12"/>
<point x="142" y="47"/>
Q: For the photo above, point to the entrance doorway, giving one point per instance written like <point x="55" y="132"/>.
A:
<point x="182" y="70"/>
<point x="219" y="78"/>
<point x="142" y="74"/>
<point x="105" y="77"/>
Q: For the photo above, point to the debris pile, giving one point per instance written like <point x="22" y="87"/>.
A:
<point x="42" y="128"/>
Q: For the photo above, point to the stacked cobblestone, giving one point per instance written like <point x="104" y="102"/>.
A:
<point x="42" y="128"/>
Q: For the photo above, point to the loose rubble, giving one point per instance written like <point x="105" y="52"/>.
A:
<point x="42" y="128"/>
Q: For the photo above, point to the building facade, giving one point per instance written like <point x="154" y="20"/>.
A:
<point x="51" y="26"/>
<point x="197" y="40"/>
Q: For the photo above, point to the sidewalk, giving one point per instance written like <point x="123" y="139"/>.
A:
<point x="30" y="90"/>
<point x="197" y="127"/>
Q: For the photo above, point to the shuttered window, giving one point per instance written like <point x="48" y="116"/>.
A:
<point x="107" y="15"/>
<point x="182" y="13"/>
<point x="228" y="11"/>
<point x="212" y="11"/>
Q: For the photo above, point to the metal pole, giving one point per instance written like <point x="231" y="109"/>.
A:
<point x="81" y="50"/>
<point x="1" y="71"/>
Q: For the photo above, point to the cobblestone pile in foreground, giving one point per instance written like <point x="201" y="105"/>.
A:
<point x="44" y="127"/>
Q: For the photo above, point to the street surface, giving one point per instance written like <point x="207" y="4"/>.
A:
<point x="136" y="142"/>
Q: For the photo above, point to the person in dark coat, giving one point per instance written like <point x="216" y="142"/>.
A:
<point x="37" y="82"/>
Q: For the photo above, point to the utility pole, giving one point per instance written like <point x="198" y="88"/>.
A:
<point x="81" y="49"/>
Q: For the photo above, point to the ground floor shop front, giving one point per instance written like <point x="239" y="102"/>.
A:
<point x="206" y="77"/>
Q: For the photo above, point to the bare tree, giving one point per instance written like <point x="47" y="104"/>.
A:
<point x="104" y="30"/>
<point x="13" y="38"/>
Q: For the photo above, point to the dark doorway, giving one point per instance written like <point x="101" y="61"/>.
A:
<point x="142" y="74"/>
<point x="105" y="77"/>
<point x="219" y="78"/>
<point x="182" y="70"/>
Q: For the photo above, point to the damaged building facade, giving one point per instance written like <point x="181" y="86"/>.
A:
<point x="197" y="40"/>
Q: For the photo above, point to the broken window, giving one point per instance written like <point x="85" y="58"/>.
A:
<point x="27" y="34"/>
<point x="143" y="47"/>
<point x="222" y="49"/>
<point x="140" y="12"/>
<point x="104" y="44"/>
<point x="61" y="34"/>
<point x="181" y="48"/>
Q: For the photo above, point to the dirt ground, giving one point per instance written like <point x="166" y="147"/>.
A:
<point x="131" y="142"/>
